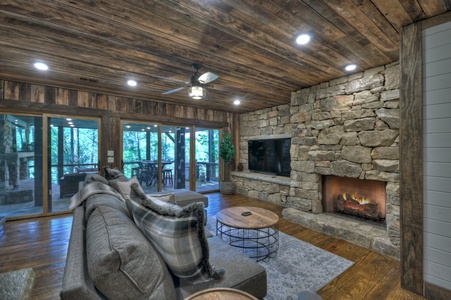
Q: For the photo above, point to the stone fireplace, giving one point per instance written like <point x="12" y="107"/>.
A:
<point x="346" y="128"/>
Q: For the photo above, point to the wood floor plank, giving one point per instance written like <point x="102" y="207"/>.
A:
<point x="42" y="244"/>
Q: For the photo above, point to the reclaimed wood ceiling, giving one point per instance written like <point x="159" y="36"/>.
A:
<point x="250" y="44"/>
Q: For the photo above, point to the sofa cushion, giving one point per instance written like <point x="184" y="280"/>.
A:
<point x="177" y="233"/>
<point x="121" y="262"/>
<point x="241" y="272"/>
<point x="97" y="200"/>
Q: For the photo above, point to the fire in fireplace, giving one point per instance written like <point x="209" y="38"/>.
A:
<point x="360" y="198"/>
<point x="357" y="206"/>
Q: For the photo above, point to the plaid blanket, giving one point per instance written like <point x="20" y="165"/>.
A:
<point x="90" y="189"/>
<point x="178" y="234"/>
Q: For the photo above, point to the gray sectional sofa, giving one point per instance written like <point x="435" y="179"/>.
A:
<point x="109" y="256"/>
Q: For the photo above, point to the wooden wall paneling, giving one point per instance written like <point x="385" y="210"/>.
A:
<point x="73" y="98"/>
<point x="159" y="109"/>
<point x="2" y="95"/>
<point x="121" y="105"/>
<point x="168" y="110"/>
<point x="111" y="103"/>
<point x="138" y="105"/>
<point x="12" y="90"/>
<point x="83" y="99"/>
<point x="437" y="160"/>
<point x="102" y="101"/>
<point x="50" y="95"/>
<point x="25" y="92"/>
<point x="92" y="100"/>
<point x="411" y="159"/>
<point x="37" y="93"/>
<point x="61" y="96"/>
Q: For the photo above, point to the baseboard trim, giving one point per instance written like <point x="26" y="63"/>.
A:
<point x="432" y="291"/>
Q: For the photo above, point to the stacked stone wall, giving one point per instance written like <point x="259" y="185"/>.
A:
<point x="347" y="127"/>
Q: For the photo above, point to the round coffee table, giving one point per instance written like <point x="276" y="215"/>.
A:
<point x="253" y="229"/>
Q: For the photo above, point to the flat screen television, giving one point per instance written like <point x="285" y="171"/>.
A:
<point x="271" y="156"/>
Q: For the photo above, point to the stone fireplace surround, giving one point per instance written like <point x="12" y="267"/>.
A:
<point x="347" y="127"/>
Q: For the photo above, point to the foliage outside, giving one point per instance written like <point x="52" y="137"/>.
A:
<point x="227" y="152"/>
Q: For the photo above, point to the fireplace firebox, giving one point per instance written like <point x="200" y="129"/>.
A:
<point x="359" y="198"/>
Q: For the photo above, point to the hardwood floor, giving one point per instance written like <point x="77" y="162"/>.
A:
<point x="42" y="244"/>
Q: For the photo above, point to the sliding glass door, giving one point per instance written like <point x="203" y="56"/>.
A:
<point x="207" y="159"/>
<point x="140" y="153"/>
<point x="73" y="151"/>
<point x="21" y="184"/>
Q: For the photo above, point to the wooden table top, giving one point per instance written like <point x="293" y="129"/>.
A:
<point x="260" y="218"/>
<point x="221" y="294"/>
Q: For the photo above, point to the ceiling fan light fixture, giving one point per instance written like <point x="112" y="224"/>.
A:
<point x="196" y="92"/>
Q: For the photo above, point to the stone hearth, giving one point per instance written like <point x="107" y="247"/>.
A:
<point x="347" y="127"/>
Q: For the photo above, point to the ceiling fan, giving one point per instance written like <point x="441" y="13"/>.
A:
<point x="196" y="83"/>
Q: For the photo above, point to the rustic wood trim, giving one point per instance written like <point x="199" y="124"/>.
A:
<point x="411" y="159"/>
<point x="192" y="172"/>
<point x="446" y="17"/>
<point x="432" y="291"/>
<point x="236" y="133"/>
<point x="46" y="200"/>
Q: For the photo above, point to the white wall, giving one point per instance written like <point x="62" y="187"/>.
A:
<point x="437" y="155"/>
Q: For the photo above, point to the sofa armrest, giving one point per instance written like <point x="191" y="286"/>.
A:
<point x="76" y="282"/>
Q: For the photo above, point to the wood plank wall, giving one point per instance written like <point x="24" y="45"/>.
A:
<point x="29" y="98"/>
<point x="411" y="161"/>
<point x="437" y="156"/>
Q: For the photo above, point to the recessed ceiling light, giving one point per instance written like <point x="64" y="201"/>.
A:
<point x="41" y="66"/>
<point x="303" y="39"/>
<point x="351" y="67"/>
<point x="132" y="82"/>
<point x="237" y="102"/>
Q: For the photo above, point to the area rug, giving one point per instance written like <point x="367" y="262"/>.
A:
<point x="298" y="266"/>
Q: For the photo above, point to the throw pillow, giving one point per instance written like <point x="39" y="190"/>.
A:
<point x="113" y="173"/>
<point x="95" y="177"/>
<point x="124" y="187"/>
<point x="177" y="233"/>
<point x="121" y="262"/>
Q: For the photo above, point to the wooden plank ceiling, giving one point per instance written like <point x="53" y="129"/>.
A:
<point x="250" y="44"/>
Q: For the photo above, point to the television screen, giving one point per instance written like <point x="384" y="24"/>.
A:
<point x="270" y="156"/>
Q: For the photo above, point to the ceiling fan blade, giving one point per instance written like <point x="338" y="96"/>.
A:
<point x="173" y="91"/>
<point x="207" y="77"/>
